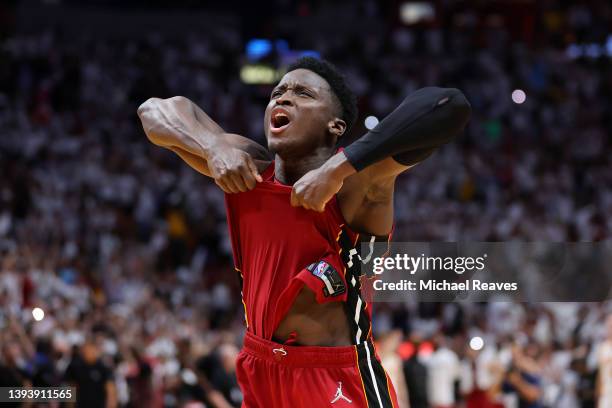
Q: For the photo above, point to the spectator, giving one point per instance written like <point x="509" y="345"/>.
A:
<point x="523" y="377"/>
<point x="415" y="375"/>
<point x="444" y="371"/>
<point x="482" y="375"/>
<point x="218" y="369"/>
<point x="92" y="378"/>
<point x="42" y="366"/>
<point x="387" y="349"/>
<point x="11" y="374"/>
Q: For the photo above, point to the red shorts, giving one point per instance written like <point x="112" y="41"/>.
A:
<point x="273" y="375"/>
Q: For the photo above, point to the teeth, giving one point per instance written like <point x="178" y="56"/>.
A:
<point x="278" y="116"/>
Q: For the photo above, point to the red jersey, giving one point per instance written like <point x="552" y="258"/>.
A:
<point x="278" y="248"/>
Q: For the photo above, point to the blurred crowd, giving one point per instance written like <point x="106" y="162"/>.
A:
<point x="126" y="251"/>
<point x="498" y="354"/>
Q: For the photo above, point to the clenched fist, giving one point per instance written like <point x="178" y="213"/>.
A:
<point x="315" y="188"/>
<point x="233" y="169"/>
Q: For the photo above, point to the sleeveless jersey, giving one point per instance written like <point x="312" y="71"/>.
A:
<point x="278" y="248"/>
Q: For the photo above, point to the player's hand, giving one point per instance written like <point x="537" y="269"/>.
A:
<point x="318" y="186"/>
<point x="233" y="169"/>
<point x="315" y="189"/>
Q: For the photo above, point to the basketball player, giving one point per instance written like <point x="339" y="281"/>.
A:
<point x="295" y="222"/>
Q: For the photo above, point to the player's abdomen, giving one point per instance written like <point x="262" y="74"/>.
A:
<point x="315" y="324"/>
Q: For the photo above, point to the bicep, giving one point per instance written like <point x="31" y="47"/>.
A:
<point x="366" y="198"/>
<point x="257" y="151"/>
<point x="367" y="205"/>
<point x="374" y="218"/>
<point x="204" y="119"/>
<point x="180" y="125"/>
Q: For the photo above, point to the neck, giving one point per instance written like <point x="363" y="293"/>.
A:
<point x="288" y="170"/>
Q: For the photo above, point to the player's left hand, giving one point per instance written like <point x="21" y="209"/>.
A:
<point x="315" y="188"/>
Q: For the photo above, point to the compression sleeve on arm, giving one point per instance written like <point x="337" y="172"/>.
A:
<point x="425" y="120"/>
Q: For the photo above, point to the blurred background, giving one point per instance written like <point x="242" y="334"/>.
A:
<point x="115" y="262"/>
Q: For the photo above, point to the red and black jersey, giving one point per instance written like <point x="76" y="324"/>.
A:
<point x="279" y="248"/>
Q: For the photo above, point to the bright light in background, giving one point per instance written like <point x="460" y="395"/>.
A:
<point x="371" y="122"/>
<point x="476" y="343"/>
<point x="415" y="12"/>
<point x="38" y="314"/>
<point x="590" y="50"/>
<point x="259" y="74"/>
<point x="258" y="48"/>
<point x="189" y="377"/>
<point x="518" y="96"/>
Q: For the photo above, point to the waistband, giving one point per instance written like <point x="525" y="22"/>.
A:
<point x="302" y="356"/>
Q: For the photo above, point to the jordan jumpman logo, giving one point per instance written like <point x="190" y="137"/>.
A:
<point x="339" y="395"/>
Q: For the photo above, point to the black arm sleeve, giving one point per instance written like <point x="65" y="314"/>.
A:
<point x="425" y="120"/>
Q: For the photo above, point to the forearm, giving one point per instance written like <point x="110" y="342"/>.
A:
<point x="424" y="121"/>
<point x="178" y="122"/>
<point x="195" y="162"/>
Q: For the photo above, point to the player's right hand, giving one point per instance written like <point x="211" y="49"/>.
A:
<point x="233" y="170"/>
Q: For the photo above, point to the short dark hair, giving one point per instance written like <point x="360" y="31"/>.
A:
<point x="337" y="83"/>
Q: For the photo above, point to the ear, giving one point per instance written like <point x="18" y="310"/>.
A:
<point x="336" y="127"/>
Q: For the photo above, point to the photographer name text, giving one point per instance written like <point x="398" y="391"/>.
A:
<point x="444" y="285"/>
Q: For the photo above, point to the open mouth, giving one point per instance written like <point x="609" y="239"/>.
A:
<point x="279" y="120"/>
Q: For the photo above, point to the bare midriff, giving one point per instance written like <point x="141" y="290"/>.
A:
<point x="316" y="324"/>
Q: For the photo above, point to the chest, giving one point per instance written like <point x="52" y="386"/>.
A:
<point x="269" y="220"/>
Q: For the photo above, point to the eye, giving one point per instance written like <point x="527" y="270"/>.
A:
<point x="276" y="93"/>
<point x="304" y="93"/>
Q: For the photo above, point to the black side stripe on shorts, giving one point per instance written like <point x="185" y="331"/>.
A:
<point x="373" y="377"/>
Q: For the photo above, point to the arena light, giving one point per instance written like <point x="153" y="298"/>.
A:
<point x="259" y="74"/>
<point x="476" y="343"/>
<point x="371" y="122"/>
<point x="416" y="12"/>
<point x="38" y="314"/>
<point x="258" y="48"/>
<point x="573" y="51"/>
<point x="590" y="50"/>
<point x="426" y="349"/>
<point x="594" y="51"/>
<point x="518" y="96"/>
<point x="406" y="350"/>
<point x="189" y="377"/>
